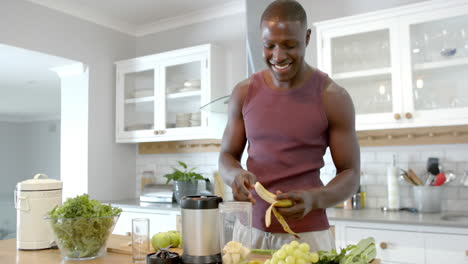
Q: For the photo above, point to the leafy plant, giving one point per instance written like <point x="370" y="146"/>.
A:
<point x="185" y="175"/>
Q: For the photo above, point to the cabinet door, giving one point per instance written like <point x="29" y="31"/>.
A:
<point x="392" y="246"/>
<point x="435" y="55"/>
<point x="441" y="248"/>
<point x="183" y="87"/>
<point x="363" y="60"/>
<point x="135" y="102"/>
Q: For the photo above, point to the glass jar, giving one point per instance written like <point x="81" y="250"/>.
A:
<point x="235" y="225"/>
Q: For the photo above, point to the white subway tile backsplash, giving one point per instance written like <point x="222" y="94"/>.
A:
<point x="374" y="163"/>
<point x="433" y="154"/>
<point x="463" y="193"/>
<point x="386" y="157"/>
<point x="457" y="155"/>
<point x="367" y="157"/>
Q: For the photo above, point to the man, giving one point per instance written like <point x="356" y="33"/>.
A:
<point x="289" y="114"/>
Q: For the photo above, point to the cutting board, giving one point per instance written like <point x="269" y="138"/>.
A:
<point x="121" y="244"/>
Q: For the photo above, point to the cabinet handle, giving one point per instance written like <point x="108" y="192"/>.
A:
<point x="397" y="116"/>
<point x="163" y="131"/>
<point x="383" y="245"/>
<point x="466" y="253"/>
<point x="408" y="115"/>
<point x="157" y="132"/>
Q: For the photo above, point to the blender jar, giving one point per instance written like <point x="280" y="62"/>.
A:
<point x="236" y="230"/>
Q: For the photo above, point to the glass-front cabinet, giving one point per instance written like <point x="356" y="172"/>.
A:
<point x="159" y="96"/>
<point x="438" y="72"/>
<point x="403" y="67"/>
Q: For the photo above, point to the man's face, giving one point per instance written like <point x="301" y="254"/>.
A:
<point x="284" y="44"/>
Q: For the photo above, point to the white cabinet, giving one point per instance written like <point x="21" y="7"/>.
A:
<point x="403" y="67"/>
<point x="399" y="243"/>
<point x="443" y="247"/>
<point x="158" y="97"/>
<point x="159" y="221"/>
<point x="392" y="246"/>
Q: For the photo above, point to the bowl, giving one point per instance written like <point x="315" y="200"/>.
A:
<point x="83" y="237"/>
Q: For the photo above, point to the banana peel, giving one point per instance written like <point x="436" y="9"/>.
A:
<point x="271" y="199"/>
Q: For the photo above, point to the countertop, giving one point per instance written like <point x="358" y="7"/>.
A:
<point x="401" y="217"/>
<point x="9" y="255"/>
<point x="334" y="214"/>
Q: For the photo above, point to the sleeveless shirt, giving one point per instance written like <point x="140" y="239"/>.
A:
<point x="287" y="135"/>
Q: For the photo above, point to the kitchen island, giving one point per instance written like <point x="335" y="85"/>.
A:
<point x="9" y="255"/>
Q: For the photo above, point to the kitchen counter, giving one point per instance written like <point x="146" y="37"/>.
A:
<point x="9" y="255"/>
<point x="334" y="214"/>
<point x="170" y="208"/>
<point x="401" y="218"/>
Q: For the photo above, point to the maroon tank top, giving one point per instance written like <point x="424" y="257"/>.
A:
<point x="287" y="134"/>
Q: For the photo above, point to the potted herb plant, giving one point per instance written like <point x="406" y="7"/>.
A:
<point x="186" y="181"/>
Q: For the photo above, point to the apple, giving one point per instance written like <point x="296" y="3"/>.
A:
<point x="160" y="240"/>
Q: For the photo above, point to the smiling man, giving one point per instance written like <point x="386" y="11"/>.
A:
<point x="289" y="114"/>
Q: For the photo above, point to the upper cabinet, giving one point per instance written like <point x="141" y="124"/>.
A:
<point x="403" y="67"/>
<point x="158" y="97"/>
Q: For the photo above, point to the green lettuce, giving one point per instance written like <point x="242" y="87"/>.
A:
<point x="82" y="225"/>
<point x="361" y="253"/>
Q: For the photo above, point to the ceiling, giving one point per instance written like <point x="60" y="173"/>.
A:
<point x="29" y="89"/>
<point x="141" y="17"/>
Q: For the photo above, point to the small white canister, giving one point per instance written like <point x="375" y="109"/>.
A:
<point x="34" y="198"/>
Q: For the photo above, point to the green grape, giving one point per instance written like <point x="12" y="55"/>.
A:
<point x="301" y="261"/>
<point x="304" y="247"/>
<point x="294" y="244"/>
<point x="290" y="260"/>
<point x="289" y="250"/>
<point x="313" y="257"/>
<point x="297" y="253"/>
<point x="273" y="261"/>
<point x="281" y="262"/>
<point x="281" y="254"/>
<point x="267" y="261"/>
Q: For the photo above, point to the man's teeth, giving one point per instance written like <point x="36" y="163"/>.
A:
<point x="281" y="67"/>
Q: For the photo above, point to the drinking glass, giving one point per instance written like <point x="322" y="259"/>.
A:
<point x="140" y="239"/>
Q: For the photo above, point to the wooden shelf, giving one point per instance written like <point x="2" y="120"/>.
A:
<point x="441" y="64"/>
<point x="139" y="100"/>
<point x="361" y="74"/>
<point x="183" y="95"/>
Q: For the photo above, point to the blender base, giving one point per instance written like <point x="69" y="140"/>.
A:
<point x="212" y="259"/>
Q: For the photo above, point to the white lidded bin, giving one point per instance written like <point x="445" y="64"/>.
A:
<point x="34" y="198"/>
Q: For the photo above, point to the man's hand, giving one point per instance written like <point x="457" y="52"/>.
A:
<point x="241" y="186"/>
<point x="303" y="203"/>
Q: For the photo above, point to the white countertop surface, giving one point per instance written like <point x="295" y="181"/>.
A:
<point x="334" y="214"/>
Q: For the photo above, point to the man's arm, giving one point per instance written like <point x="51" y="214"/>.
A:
<point x="344" y="146"/>
<point x="232" y="147"/>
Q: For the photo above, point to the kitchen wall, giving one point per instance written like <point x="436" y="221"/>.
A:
<point x="111" y="166"/>
<point x="226" y="32"/>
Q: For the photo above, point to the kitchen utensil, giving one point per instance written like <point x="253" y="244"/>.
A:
<point x="439" y="179"/>
<point x="433" y="166"/>
<point x="236" y="223"/>
<point x="408" y="209"/>
<point x="405" y="178"/>
<point x="452" y="178"/>
<point x="140" y="239"/>
<point x="200" y="229"/>
<point x="34" y="198"/>
<point x="428" y="199"/>
<point x="414" y="178"/>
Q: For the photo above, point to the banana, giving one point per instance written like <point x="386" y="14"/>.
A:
<point x="271" y="199"/>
